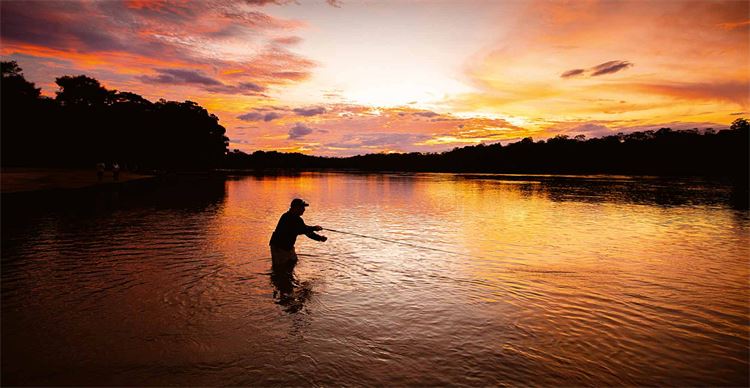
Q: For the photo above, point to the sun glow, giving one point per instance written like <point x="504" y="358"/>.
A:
<point x="402" y="90"/>
<point x="518" y="121"/>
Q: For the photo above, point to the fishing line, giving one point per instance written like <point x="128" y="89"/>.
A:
<point x="447" y="251"/>
<point x="554" y="272"/>
<point x="400" y="242"/>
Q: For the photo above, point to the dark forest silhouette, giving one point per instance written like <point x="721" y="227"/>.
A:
<point x="86" y="124"/>
<point x="662" y="152"/>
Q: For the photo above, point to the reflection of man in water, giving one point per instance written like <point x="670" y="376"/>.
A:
<point x="289" y="293"/>
<point x="291" y="225"/>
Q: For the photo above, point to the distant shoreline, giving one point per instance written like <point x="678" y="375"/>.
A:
<point x="16" y="180"/>
<point x="549" y="174"/>
<point x="29" y="179"/>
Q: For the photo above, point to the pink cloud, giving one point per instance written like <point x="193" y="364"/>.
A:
<point x="288" y="40"/>
<point x="299" y="130"/>
<point x="311" y="111"/>
<point x="180" y="36"/>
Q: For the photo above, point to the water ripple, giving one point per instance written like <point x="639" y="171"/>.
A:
<point x="550" y="283"/>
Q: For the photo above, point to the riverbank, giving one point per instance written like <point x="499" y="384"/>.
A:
<point x="23" y="179"/>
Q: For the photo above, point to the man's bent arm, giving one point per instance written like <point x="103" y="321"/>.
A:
<point x="316" y="236"/>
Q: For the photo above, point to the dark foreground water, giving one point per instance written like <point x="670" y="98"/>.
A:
<point x="556" y="281"/>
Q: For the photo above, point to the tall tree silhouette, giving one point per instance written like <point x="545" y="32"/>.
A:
<point x="20" y="106"/>
<point x="82" y="91"/>
<point x="86" y="123"/>
<point x="15" y="85"/>
<point x="740" y="124"/>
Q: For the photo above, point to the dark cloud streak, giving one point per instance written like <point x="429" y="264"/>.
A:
<point x="178" y="76"/>
<point x="191" y="77"/>
<point x="610" y="67"/>
<point x="572" y="73"/>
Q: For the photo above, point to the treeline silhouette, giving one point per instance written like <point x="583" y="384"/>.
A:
<point x="661" y="152"/>
<point x="86" y="124"/>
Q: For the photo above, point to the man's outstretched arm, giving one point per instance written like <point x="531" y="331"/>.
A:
<point x="309" y="231"/>
<point x="314" y="235"/>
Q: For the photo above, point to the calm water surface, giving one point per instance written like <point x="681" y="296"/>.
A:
<point x="555" y="281"/>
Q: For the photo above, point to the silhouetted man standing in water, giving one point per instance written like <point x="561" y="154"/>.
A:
<point x="291" y="225"/>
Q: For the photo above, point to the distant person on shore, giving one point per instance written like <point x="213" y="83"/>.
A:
<point x="115" y="171"/>
<point x="100" y="171"/>
<point x="291" y="225"/>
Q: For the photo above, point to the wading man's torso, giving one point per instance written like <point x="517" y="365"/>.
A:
<point x="290" y="225"/>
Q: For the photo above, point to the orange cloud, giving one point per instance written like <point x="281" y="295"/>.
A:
<point x="687" y="68"/>
<point x="735" y="25"/>
<point x="734" y="92"/>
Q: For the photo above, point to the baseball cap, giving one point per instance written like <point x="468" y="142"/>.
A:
<point x="298" y="202"/>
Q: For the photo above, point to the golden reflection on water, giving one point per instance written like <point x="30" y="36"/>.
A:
<point x="590" y="272"/>
<point x="553" y="281"/>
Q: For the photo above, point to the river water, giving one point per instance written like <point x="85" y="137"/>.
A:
<point x="531" y="280"/>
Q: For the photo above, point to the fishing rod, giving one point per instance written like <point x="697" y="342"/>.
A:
<point x="399" y="242"/>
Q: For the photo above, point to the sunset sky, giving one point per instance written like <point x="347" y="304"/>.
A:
<point x="352" y="77"/>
